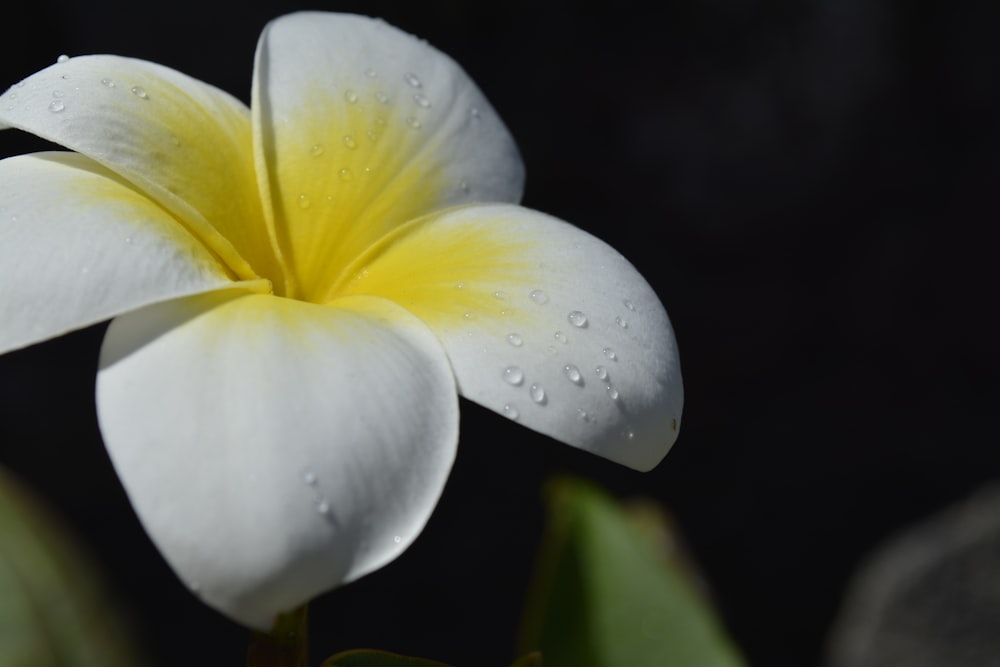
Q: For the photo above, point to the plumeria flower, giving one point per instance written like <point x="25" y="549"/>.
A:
<point x="301" y="290"/>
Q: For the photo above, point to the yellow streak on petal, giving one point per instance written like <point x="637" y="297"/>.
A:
<point x="349" y="169"/>
<point x="447" y="276"/>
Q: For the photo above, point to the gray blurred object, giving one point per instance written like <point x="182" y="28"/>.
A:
<point x="929" y="597"/>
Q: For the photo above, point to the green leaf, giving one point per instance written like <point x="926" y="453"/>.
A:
<point x="52" y="610"/>
<point x="611" y="591"/>
<point x="369" y="658"/>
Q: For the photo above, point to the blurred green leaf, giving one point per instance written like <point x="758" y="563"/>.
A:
<point x="533" y="659"/>
<point x="369" y="658"/>
<point x="52" y="610"/>
<point x="611" y="591"/>
<point x="286" y="645"/>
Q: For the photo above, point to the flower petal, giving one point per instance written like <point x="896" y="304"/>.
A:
<point x="79" y="245"/>
<point x="274" y="449"/>
<point x="359" y="128"/>
<point x="186" y="144"/>
<point x="542" y="322"/>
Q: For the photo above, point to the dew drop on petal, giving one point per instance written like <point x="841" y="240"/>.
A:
<point x="370" y="73"/>
<point x="350" y="142"/>
<point x="108" y="83"/>
<point x="381" y="97"/>
<point x="629" y="305"/>
<point x="140" y="92"/>
<point x="504" y="312"/>
<point x="620" y="322"/>
<point x="630" y="434"/>
<point x="55" y="106"/>
<point x="323" y="507"/>
<point x="513" y="375"/>
<point x="577" y="319"/>
<point x="464" y="185"/>
<point x="346" y="174"/>
<point x="537" y="393"/>
<point x="610" y="354"/>
<point x="413" y="122"/>
<point x="602" y="372"/>
<point x="511" y="411"/>
<point x="309" y="477"/>
<point x="572" y="373"/>
<point x="412" y="79"/>
<point x="460" y="285"/>
<point x="316" y="150"/>
<point x="474" y="112"/>
<point x="561" y="337"/>
<point x="63" y="58"/>
<point x="538" y="296"/>
<point x="515" y="339"/>
<point x="397" y="539"/>
<point x="469" y="316"/>
<point x="351" y="96"/>
<point x="582" y="414"/>
<point x="303" y="202"/>
<point x="500" y="294"/>
<point x="421" y="101"/>
<point x="613" y="392"/>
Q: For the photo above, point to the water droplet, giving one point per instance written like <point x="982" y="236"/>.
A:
<point x="629" y="304"/>
<point x="612" y="392"/>
<point x="351" y="96"/>
<point x="372" y="134"/>
<point x="370" y="73"/>
<point x="537" y="394"/>
<point x="572" y="373"/>
<point x="538" y="296"/>
<point x="323" y="507"/>
<point x="561" y="337"/>
<point x="346" y="174"/>
<point x="630" y="434"/>
<point x="515" y="339"/>
<point x="460" y="285"/>
<point x="500" y="294"/>
<point x="412" y="79"/>
<point x="513" y="375"/>
<point x="303" y="201"/>
<point x="63" y="58"/>
<point x="350" y="142"/>
<point x="316" y="150"/>
<point x="55" y="106"/>
<point x="577" y="319"/>
<point x="128" y="240"/>
<point x="620" y="322"/>
<point x="475" y="113"/>
<point x="511" y="411"/>
<point x="421" y="101"/>
<point x="397" y="539"/>
<point x="381" y="97"/>
<point x="610" y="354"/>
<point x="582" y="414"/>
<point x="464" y="186"/>
<point x="140" y="92"/>
<point x="413" y="122"/>
<point x="58" y="93"/>
<point x="309" y="477"/>
<point x="469" y="316"/>
<point x="195" y="587"/>
<point x="108" y="83"/>
<point x="602" y="372"/>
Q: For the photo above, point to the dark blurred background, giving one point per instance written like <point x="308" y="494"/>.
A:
<point x="811" y="189"/>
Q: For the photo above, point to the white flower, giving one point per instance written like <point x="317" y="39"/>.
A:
<point x="302" y="289"/>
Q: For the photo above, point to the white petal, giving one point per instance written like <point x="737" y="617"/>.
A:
<point x="78" y="246"/>
<point x="274" y="449"/>
<point x="543" y="323"/>
<point x="360" y="127"/>
<point x="186" y="144"/>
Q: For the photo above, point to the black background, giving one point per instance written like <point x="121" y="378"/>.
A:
<point x="811" y="189"/>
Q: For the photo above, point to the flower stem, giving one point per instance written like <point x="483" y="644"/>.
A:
<point x="286" y="645"/>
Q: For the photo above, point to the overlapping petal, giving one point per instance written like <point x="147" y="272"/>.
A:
<point x="79" y="245"/>
<point x="360" y="128"/>
<point x="542" y="323"/>
<point x="184" y="143"/>
<point x="272" y="448"/>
